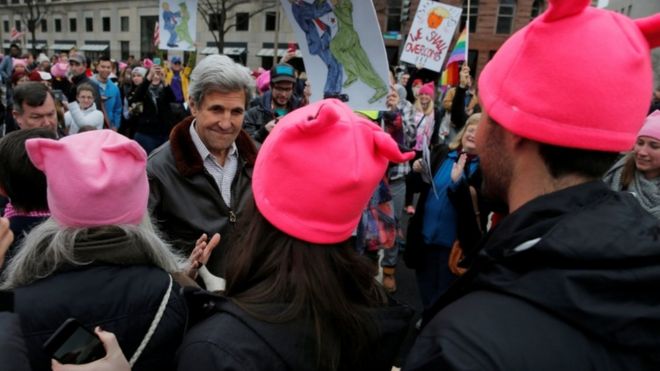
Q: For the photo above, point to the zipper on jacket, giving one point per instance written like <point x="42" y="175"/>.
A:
<point x="232" y="216"/>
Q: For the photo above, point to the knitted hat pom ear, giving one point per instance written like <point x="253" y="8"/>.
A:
<point x="650" y="27"/>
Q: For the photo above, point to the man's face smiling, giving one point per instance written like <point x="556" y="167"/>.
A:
<point x="104" y="69"/>
<point x="218" y="121"/>
<point x="282" y="92"/>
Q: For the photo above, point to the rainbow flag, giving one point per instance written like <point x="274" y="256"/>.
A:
<point x="450" y="75"/>
<point x="458" y="54"/>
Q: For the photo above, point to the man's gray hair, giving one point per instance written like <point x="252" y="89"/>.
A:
<point x="50" y="246"/>
<point x="219" y="73"/>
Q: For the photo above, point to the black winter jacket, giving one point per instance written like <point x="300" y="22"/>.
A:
<point x="13" y="352"/>
<point x="566" y="282"/>
<point x="258" y="116"/>
<point x="185" y="201"/>
<point x="231" y="339"/>
<point x="121" y="299"/>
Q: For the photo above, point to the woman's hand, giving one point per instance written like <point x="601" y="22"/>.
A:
<point x="458" y="168"/>
<point x="114" y="359"/>
<point x="201" y="253"/>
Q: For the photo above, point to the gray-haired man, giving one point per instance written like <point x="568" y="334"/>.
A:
<point x="200" y="179"/>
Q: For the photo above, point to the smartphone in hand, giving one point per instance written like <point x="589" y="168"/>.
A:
<point x="72" y="343"/>
<point x="157" y="61"/>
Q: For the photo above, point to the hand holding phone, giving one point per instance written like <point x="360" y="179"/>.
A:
<point x="73" y="343"/>
<point x="157" y="61"/>
<point x="113" y="361"/>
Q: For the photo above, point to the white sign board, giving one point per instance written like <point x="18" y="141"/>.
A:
<point x="177" y="21"/>
<point x="430" y="35"/>
<point x="343" y="50"/>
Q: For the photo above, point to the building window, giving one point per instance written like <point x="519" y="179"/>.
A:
<point x="629" y="10"/>
<point x="214" y="22"/>
<point x="15" y="1"/>
<point x="89" y="24"/>
<point x="106" y="24"/>
<point x="17" y="24"/>
<point x="124" y="48"/>
<point x="393" y="15"/>
<point x="506" y="11"/>
<point x="124" y="23"/>
<point x="44" y="25"/>
<point x="537" y="8"/>
<point x="58" y="25"/>
<point x="474" y="12"/>
<point x="271" y="21"/>
<point x="73" y="25"/>
<point x="242" y="21"/>
<point x="5" y="26"/>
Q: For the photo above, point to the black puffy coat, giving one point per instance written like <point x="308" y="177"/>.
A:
<point x="567" y="282"/>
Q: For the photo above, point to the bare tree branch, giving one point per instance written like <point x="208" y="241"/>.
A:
<point x="215" y="13"/>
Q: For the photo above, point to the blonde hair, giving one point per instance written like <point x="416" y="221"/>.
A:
<point x="429" y="109"/>
<point x="472" y="120"/>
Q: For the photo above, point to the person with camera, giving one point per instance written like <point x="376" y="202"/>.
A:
<point x="154" y="123"/>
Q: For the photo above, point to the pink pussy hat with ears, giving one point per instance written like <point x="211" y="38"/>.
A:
<point x="95" y="178"/>
<point x="428" y="89"/>
<point x="651" y="126"/>
<point x="576" y="77"/>
<point x="318" y="168"/>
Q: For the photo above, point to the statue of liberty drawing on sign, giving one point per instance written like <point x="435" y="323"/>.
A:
<point x="346" y="47"/>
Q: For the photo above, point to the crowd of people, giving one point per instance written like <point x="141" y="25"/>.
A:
<point x="204" y="216"/>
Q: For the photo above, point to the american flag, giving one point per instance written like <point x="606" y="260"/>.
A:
<point x="15" y="34"/>
<point x="156" y="35"/>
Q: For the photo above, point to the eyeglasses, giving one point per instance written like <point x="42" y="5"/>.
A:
<point x="283" y="90"/>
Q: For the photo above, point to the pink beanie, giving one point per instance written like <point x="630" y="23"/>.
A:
<point x="651" y="126"/>
<point x="19" y="62"/>
<point x="59" y="69"/>
<point x="94" y="178"/>
<point x="263" y="81"/>
<point x="318" y="168"/>
<point x="428" y="89"/>
<point x="576" y="77"/>
<point x="147" y="63"/>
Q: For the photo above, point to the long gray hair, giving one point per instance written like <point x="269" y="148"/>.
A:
<point x="49" y="246"/>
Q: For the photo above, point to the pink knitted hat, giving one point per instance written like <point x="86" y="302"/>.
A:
<point x="19" y="62"/>
<point x="318" y="168"/>
<point x="94" y="178"/>
<point x="263" y="81"/>
<point x="59" y="69"/>
<point x="651" y="126"/>
<point x="428" y="89"/>
<point x="576" y="77"/>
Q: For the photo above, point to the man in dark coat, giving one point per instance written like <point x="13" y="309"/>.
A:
<point x="275" y="103"/>
<point x="200" y="180"/>
<point x="567" y="281"/>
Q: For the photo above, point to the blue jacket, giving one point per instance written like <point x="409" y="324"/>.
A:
<point x="112" y="102"/>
